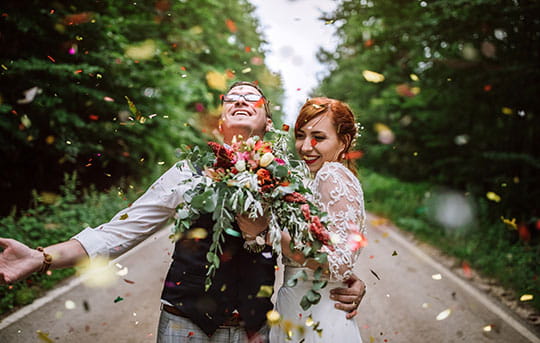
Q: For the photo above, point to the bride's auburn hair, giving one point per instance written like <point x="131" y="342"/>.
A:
<point x="341" y="117"/>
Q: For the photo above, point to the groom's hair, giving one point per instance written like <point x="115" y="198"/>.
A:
<point x="254" y="85"/>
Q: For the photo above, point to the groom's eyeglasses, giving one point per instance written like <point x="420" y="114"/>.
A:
<point x="251" y="97"/>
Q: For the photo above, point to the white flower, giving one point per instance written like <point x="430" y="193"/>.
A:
<point x="266" y="159"/>
<point x="240" y="165"/>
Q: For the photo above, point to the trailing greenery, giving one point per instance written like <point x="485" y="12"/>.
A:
<point x="489" y="246"/>
<point x="55" y="218"/>
<point x="69" y="70"/>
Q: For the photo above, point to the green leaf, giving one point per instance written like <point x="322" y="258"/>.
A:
<point x="319" y="284"/>
<point x="305" y="303"/>
<point x="313" y="297"/>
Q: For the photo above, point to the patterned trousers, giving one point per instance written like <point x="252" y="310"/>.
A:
<point x="176" y="329"/>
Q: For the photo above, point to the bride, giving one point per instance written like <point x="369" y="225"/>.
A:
<point x="325" y="130"/>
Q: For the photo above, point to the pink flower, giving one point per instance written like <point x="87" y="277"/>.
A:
<point x="306" y="212"/>
<point x="279" y="161"/>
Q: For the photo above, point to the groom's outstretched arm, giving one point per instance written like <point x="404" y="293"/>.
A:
<point x="348" y="298"/>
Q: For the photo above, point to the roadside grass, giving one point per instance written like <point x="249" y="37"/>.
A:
<point x="55" y="218"/>
<point x="486" y="244"/>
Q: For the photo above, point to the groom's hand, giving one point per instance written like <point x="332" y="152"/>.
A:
<point x="349" y="298"/>
<point x="252" y="227"/>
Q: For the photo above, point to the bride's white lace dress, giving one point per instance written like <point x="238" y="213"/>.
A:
<point x="338" y="192"/>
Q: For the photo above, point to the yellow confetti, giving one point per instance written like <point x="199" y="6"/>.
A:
<point x="245" y="71"/>
<point x="415" y="90"/>
<point x="223" y="288"/>
<point x="372" y="76"/>
<point x="265" y="291"/>
<point x="161" y="163"/>
<point x="44" y="336"/>
<point x="49" y="140"/>
<point x="371" y="339"/>
<point x="124" y="216"/>
<point x="436" y="277"/>
<point x="197" y="233"/>
<point x="4" y="67"/>
<point x="507" y="110"/>
<point x="510" y="223"/>
<point x="487" y="328"/>
<point x="425" y="305"/>
<point x="444" y="314"/>
<point x="526" y="297"/>
<point x="414" y="77"/>
<point x="216" y="80"/>
<point x="142" y="51"/>
<point x="273" y="317"/>
<point x="493" y="196"/>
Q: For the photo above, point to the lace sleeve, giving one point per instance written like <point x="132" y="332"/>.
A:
<point x="338" y="192"/>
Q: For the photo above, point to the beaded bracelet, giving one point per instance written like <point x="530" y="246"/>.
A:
<point x="47" y="261"/>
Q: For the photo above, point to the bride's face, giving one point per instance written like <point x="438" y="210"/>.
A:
<point x="317" y="142"/>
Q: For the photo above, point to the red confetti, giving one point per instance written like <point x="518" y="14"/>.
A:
<point x="51" y="12"/>
<point x="5" y="15"/>
<point x="77" y="71"/>
<point x="231" y="25"/>
<point x="466" y="269"/>
<point x="313" y="142"/>
<point x="191" y="334"/>
<point x="285" y="127"/>
<point x="538" y="224"/>
<point x="129" y="281"/>
<point x="248" y="49"/>
<point x="259" y="102"/>
<point x="298" y="89"/>
<point x="183" y="68"/>
<point x="487" y="88"/>
<point x="52" y="59"/>
<point x="354" y="155"/>
<point x="93" y="117"/>
<point x="524" y="233"/>
<point x="78" y="18"/>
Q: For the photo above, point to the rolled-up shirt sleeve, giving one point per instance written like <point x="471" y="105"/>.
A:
<point x="147" y="214"/>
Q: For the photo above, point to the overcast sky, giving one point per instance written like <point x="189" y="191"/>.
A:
<point x="294" y="34"/>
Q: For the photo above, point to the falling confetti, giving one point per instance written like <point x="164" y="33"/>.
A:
<point x="118" y="298"/>
<point x="384" y="133"/>
<point x="70" y="305"/>
<point x="510" y="223"/>
<point x="394" y="253"/>
<point x="493" y="196"/>
<point x="375" y="274"/>
<point x="216" y="80"/>
<point x="354" y="155"/>
<point x="265" y="291"/>
<point x="142" y="51"/>
<point x="124" y="216"/>
<point x="273" y="317"/>
<point x="29" y="95"/>
<point x="436" y="277"/>
<point x="526" y="297"/>
<point x="444" y="314"/>
<point x="52" y="59"/>
<point x="313" y="142"/>
<point x="231" y="25"/>
<point x="507" y="110"/>
<point x="487" y="328"/>
<point x="372" y="76"/>
<point x="44" y="336"/>
<point x="467" y="272"/>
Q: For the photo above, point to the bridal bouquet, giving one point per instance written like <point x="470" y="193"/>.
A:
<point x="254" y="177"/>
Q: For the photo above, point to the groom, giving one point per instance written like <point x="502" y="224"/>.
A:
<point x="232" y="310"/>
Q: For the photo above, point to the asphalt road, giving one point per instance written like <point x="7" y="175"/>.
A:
<point x="410" y="302"/>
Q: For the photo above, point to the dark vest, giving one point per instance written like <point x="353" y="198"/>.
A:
<point x="235" y="286"/>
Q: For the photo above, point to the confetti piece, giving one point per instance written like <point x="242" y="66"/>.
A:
<point x="394" y="253"/>
<point x="372" y="76"/>
<point x="507" y="110"/>
<point x="414" y="77"/>
<point x="259" y="103"/>
<point x="444" y="314"/>
<point x="70" y="305"/>
<point x="198" y="233"/>
<point x="231" y="25"/>
<point x="436" y="277"/>
<point x="161" y="163"/>
<point x="122" y="272"/>
<point x="109" y="99"/>
<point x="78" y="71"/>
<point x="510" y="223"/>
<point x="273" y="317"/>
<point x="354" y="155"/>
<point x="124" y="216"/>
<point x="246" y="70"/>
<point x="285" y="127"/>
<point x="29" y="95"/>
<point x="313" y="142"/>
<point x="375" y="274"/>
<point x="526" y="297"/>
<point x="93" y="117"/>
<point x="466" y="269"/>
<point x="118" y="298"/>
<point x="44" y="336"/>
<point x="4" y="67"/>
<point x="265" y="291"/>
<point x="425" y="305"/>
<point x="142" y="51"/>
<point x="493" y="196"/>
<point x="247" y="49"/>
<point x="216" y="80"/>
<point x="191" y="334"/>
<point x="487" y="328"/>
<point x="487" y="88"/>
<point x="52" y="59"/>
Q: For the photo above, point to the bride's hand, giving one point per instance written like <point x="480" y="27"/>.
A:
<point x="349" y="298"/>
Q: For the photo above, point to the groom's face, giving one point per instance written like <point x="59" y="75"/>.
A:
<point x="243" y="115"/>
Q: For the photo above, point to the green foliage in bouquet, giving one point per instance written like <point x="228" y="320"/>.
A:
<point x="254" y="177"/>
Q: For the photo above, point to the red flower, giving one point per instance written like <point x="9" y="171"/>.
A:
<point x="320" y="232"/>
<point x="295" y="197"/>
<point x="224" y="156"/>
<point x="263" y="176"/>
